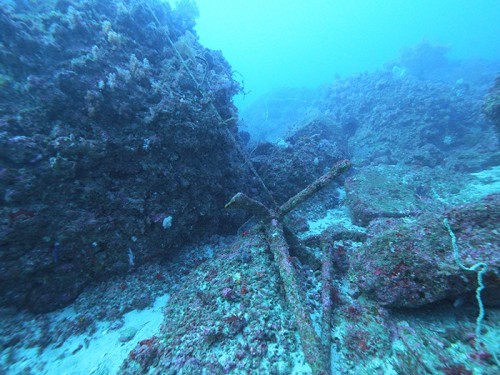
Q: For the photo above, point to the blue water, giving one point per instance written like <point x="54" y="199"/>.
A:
<point x="289" y="43"/>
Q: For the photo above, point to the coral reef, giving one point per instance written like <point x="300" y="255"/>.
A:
<point x="410" y="263"/>
<point x="119" y="149"/>
<point x="106" y="138"/>
<point x="491" y="105"/>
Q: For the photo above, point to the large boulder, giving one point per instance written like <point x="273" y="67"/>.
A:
<point x="411" y="262"/>
<point x="116" y="142"/>
<point x="289" y="165"/>
<point x="398" y="191"/>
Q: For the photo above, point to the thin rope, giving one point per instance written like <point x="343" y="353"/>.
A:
<point x="238" y="147"/>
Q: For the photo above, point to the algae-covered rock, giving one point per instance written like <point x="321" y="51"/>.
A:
<point x="112" y="118"/>
<point x="491" y="106"/>
<point x="411" y="262"/>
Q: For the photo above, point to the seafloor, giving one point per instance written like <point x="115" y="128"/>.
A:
<point x="220" y="308"/>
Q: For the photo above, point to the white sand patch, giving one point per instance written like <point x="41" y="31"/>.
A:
<point x="337" y="216"/>
<point x="484" y="183"/>
<point x="102" y="353"/>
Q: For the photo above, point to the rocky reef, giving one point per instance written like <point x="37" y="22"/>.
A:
<point x="119" y="151"/>
<point x="115" y="142"/>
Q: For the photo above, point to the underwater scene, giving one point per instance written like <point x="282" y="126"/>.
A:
<point x="265" y="187"/>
